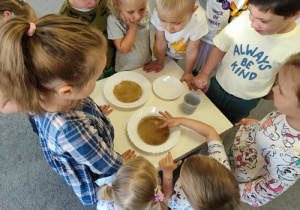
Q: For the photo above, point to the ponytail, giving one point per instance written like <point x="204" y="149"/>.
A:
<point x="105" y="193"/>
<point x="17" y="74"/>
<point x="158" y="205"/>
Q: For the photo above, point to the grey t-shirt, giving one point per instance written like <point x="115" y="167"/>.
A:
<point x="140" y="51"/>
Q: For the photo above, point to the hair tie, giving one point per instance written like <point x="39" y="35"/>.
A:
<point x="31" y="30"/>
<point x="108" y="182"/>
<point x="8" y="14"/>
<point x="159" y="196"/>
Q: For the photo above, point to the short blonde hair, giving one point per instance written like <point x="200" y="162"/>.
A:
<point x="175" y="6"/>
<point x="133" y="186"/>
<point x="114" y="6"/>
<point x="58" y="49"/>
<point x="19" y="8"/>
<point x="213" y="185"/>
<point x="292" y="68"/>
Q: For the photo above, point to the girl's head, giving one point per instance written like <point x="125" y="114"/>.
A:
<point x="214" y="186"/>
<point x="287" y="91"/>
<point x="18" y="8"/>
<point x="130" y="9"/>
<point x="83" y="4"/>
<point x="133" y="186"/>
<point x="62" y="57"/>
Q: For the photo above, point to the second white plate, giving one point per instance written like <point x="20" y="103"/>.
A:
<point x="167" y="87"/>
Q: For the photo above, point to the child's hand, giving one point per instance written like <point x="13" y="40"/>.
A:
<point x="201" y="80"/>
<point x="189" y="79"/>
<point x="167" y="164"/>
<point x="246" y="121"/>
<point x="128" y="22"/>
<point x="169" y="121"/>
<point x="153" y="66"/>
<point x="129" y="154"/>
<point x="106" y="109"/>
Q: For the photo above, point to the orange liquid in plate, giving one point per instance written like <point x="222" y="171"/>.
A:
<point x="148" y="132"/>
<point x="127" y="91"/>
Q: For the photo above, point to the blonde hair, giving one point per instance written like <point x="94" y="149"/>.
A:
<point x="19" y="8"/>
<point x="58" y="49"/>
<point x="294" y="73"/>
<point x="133" y="186"/>
<point x="176" y="6"/>
<point x="114" y="6"/>
<point x="213" y="185"/>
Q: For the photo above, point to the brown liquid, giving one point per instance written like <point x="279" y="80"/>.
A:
<point x="127" y="91"/>
<point x="148" y="132"/>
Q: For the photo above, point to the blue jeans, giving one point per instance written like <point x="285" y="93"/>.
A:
<point x="232" y="107"/>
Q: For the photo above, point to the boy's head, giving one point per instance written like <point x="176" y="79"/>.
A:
<point x="214" y="186"/>
<point x="17" y="8"/>
<point x="175" y="14"/>
<point x="274" y="16"/>
<point x="83" y="4"/>
<point x="285" y="8"/>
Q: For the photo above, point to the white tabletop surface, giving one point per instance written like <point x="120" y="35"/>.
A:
<point x="189" y="140"/>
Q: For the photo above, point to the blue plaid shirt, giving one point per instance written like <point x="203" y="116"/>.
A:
<point x="78" y="144"/>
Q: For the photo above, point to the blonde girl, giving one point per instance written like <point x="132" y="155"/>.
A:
<point x="271" y="146"/>
<point x="18" y="8"/>
<point x="135" y="186"/>
<point x="9" y="9"/>
<point x="49" y="68"/>
<point x="205" y="183"/>
<point x="128" y="27"/>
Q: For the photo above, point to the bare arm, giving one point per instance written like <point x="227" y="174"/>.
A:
<point x="191" y="57"/>
<point x="160" y="48"/>
<point x="214" y="57"/>
<point x="201" y="128"/>
<point x="167" y="166"/>
<point x="125" y="44"/>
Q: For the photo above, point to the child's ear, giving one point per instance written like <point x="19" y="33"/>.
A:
<point x="295" y="16"/>
<point x="195" y="8"/>
<point x="65" y="90"/>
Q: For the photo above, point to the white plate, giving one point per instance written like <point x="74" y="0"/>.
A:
<point x="115" y="79"/>
<point x="138" y="142"/>
<point x="168" y="87"/>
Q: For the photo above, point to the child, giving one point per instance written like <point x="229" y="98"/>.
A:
<point x="16" y="8"/>
<point x="265" y="154"/>
<point x="9" y="9"/>
<point x="128" y="27"/>
<point x="53" y="66"/>
<point x="205" y="182"/>
<point x="219" y="13"/>
<point x="179" y="25"/>
<point x="250" y="49"/>
<point x="135" y="186"/>
<point x="95" y="13"/>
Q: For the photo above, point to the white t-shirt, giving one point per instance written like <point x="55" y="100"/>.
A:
<point x="220" y="13"/>
<point x="177" y="42"/>
<point x="179" y="200"/>
<point x="265" y="158"/>
<point x="251" y="62"/>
